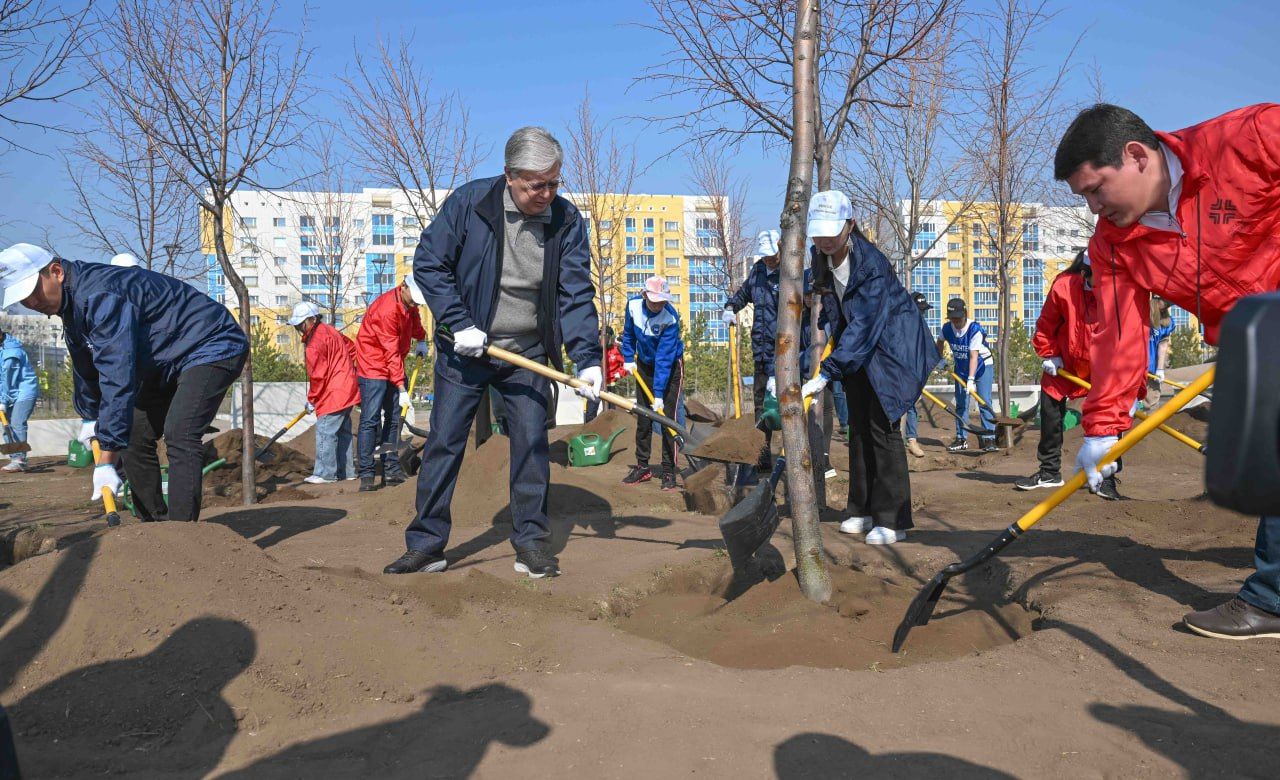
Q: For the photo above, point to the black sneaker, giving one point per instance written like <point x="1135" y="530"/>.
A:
<point x="959" y="445"/>
<point x="669" y="481"/>
<point x="414" y="561"/>
<point x="637" y="475"/>
<point x="1108" y="490"/>
<point x="1039" y="480"/>
<point x="392" y="481"/>
<point x="537" y="563"/>
<point x="368" y="484"/>
<point x="988" y="444"/>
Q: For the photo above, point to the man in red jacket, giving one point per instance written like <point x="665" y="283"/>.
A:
<point x="1194" y="217"/>
<point x="331" y="393"/>
<point x="390" y="325"/>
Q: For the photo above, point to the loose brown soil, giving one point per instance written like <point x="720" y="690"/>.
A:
<point x="266" y="642"/>
<point x="736" y="441"/>
<point x="279" y="473"/>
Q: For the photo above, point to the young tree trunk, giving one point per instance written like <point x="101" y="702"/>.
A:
<point x="248" y="471"/>
<point x="815" y="583"/>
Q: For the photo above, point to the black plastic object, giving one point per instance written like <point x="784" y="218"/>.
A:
<point x="751" y="522"/>
<point x="1242" y="470"/>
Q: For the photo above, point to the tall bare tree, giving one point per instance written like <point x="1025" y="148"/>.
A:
<point x="127" y="199"/>
<point x="216" y="87"/>
<point x="1018" y="123"/>
<point x="712" y="175"/>
<point x="38" y="41"/>
<point x="405" y="135"/>
<point x="601" y="173"/>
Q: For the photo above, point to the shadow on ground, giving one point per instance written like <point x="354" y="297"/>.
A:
<point x="268" y="525"/>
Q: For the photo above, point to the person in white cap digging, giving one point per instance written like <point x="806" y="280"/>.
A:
<point x="883" y="354"/>
<point x="332" y="392"/>
<point x="654" y="351"/>
<point x="760" y="291"/>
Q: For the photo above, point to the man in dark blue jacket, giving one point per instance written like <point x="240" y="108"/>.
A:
<point x="760" y="290"/>
<point x="883" y="355"/>
<point x="507" y="262"/>
<point x="152" y="357"/>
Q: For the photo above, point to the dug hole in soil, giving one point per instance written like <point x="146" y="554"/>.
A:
<point x="278" y="472"/>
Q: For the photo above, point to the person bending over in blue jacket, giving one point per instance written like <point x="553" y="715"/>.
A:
<point x="152" y="357"/>
<point x="760" y="291"/>
<point x="18" y="392"/>
<point x="654" y="351"/>
<point x="883" y="354"/>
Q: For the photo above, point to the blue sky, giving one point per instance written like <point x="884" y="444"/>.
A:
<point x="517" y="63"/>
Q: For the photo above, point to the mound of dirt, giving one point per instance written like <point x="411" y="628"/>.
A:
<point x="277" y="475"/>
<point x="700" y="412"/>
<point x="305" y="442"/>
<point x="738" y="441"/>
<point x="773" y="626"/>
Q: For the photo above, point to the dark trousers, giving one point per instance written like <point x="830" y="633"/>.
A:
<point x="179" y="412"/>
<point x="879" y="483"/>
<point x="1052" y="413"/>
<point x="379" y="424"/>
<point x="670" y="403"/>
<point x="758" y="391"/>
<point x="1262" y="589"/>
<point x="460" y="385"/>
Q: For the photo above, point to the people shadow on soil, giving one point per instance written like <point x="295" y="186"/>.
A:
<point x="1201" y="737"/>
<point x="282" y="522"/>
<point x="160" y="712"/>
<point x="448" y="737"/>
<point x="810" y="755"/>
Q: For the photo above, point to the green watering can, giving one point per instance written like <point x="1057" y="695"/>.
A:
<point x="127" y="490"/>
<point x="78" y="455"/>
<point x="771" y="417"/>
<point x="588" y="449"/>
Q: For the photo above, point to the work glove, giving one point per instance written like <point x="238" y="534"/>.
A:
<point x="658" y="405"/>
<point x="470" y="342"/>
<point x="814" y="386"/>
<point x="405" y="400"/>
<point x="421" y="349"/>
<point x="630" y="368"/>
<point x="310" y="409"/>
<point x="771" y="386"/>
<point x="1052" y="365"/>
<point x="594" y="378"/>
<point x="1160" y="375"/>
<point x="1133" y="410"/>
<point x="729" y="317"/>
<point x="971" y="387"/>
<point x="105" y="475"/>
<point x="1091" y="452"/>
<point x="88" y="430"/>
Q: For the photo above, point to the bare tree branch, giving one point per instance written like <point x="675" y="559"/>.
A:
<point x="38" y="41"/>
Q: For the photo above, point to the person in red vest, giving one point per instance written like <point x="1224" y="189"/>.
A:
<point x="614" y="370"/>
<point x="1194" y="217"/>
<point x="331" y="394"/>
<point x="390" y="326"/>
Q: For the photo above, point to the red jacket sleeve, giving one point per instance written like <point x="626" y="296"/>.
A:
<point x="314" y="362"/>
<point x="1118" y="356"/>
<point x="1045" y="341"/>
<point x="417" y="332"/>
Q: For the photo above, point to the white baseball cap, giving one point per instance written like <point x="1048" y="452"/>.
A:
<point x="125" y="260"/>
<point x="828" y="213"/>
<point x="414" y="292"/>
<point x="303" y="310"/>
<point x="20" y="267"/>
<point x="656" y="289"/>
<point x="767" y="242"/>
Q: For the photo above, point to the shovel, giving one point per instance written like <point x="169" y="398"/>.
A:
<point x="394" y="445"/>
<point x="695" y="464"/>
<point x="262" y="454"/>
<point x="1206" y="395"/>
<point x="108" y="498"/>
<point x="1179" y="435"/>
<point x="949" y="410"/>
<point x="1000" y="420"/>
<point x="922" y="606"/>
<point x="11" y="445"/>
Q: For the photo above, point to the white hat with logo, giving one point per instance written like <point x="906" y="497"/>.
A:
<point x="125" y="260"/>
<point x="303" y="310"/>
<point x="20" y="267"/>
<point x="767" y="242"/>
<point x="414" y="291"/>
<point x="828" y="213"/>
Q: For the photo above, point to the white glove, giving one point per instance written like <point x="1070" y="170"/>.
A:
<point x="310" y="409"/>
<point x="1091" y="452"/>
<point x="630" y="368"/>
<point x="594" y="378"/>
<point x="105" y="475"/>
<point x="470" y="342"/>
<point x="1133" y="410"/>
<point x="1052" y="365"/>
<point x="88" y="430"/>
<point x="405" y="399"/>
<point x="1160" y="374"/>
<point x="814" y="386"/>
<point x="971" y="387"/>
<point x="728" y="317"/>
<point x="771" y="386"/>
<point x="658" y="405"/>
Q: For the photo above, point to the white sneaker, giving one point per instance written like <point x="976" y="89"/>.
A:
<point x="883" y="535"/>
<point x="856" y="525"/>
<point x="830" y="474"/>
<point x="315" y="480"/>
<point x="14" y="465"/>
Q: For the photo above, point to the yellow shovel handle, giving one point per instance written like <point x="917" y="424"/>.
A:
<point x="1179" y="435"/>
<point x="963" y="383"/>
<point x="649" y="394"/>
<point x="108" y="498"/>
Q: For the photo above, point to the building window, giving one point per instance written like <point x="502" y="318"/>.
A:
<point x="384" y="230"/>
<point x="671" y="226"/>
<point x="954" y="281"/>
<point x="282" y="319"/>
<point x="648" y="224"/>
<point x="976" y="227"/>
<point x="606" y="224"/>
<point x="282" y="300"/>
<point x="673" y="262"/>
<point x="282" y="338"/>
<point x="953" y="230"/>
<point x="955" y="264"/>
<point x="255" y="320"/>
<point x="411" y="222"/>
<point x="631" y="224"/>
<point x="672" y="243"/>
<point x="675" y="298"/>
<point x="281" y="241"/>
<point x="280" y="282"/>
<point x="649" y="244"/>
<point x="953" y="246"/>
<point x="248" y="261"/>
<point x="631" y="243"/>
<point x="977" y="246"/>
<point x="673" y="280"/>
<point x="408" y="241"/>
<point x="253" y="300"/>
<point x="249" y="222"/>
<point x="306" y="223"/>
<point x="279" y="222"/>
<point x="279" y="260"/>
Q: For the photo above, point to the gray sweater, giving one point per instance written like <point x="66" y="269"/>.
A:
<point x="515" y="322"/>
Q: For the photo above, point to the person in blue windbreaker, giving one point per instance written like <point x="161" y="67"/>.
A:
<point x="883" y="355"/>
<point x="653" y="350"/>
<point x="975" y="367"/>
<point x="760" y="292"/>
<point x="19" y="389"/>
<point x="152" y="357"/>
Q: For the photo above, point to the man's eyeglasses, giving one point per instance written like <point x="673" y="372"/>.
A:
<point x="539" y="187"/>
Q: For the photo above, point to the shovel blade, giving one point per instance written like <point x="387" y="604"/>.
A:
<point x="750" y="523"/>
<point x="410" y="460"/>
<point x="14" y="449"/>
<point x="921" y="608"/>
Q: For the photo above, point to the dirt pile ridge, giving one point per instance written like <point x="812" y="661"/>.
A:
<point x="277" y="476"/>
<point x="739" y="441"/>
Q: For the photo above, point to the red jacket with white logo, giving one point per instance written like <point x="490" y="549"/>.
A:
<point x="388" y="330"/>
<point x="1065" y="330"/>
<point x="614" y="365"/>
<point x="1229" y="247"/>
<point x="331" y="370"/>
